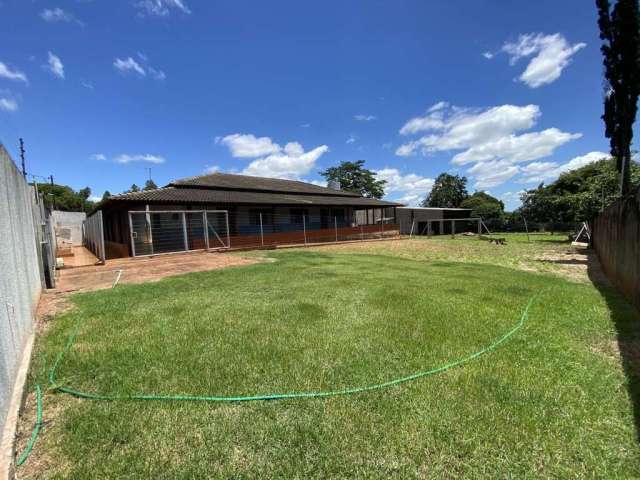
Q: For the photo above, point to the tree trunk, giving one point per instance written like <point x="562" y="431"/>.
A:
<point x="625" y="172"/>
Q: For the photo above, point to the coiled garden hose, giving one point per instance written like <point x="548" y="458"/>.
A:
<point x="249" y="398"/>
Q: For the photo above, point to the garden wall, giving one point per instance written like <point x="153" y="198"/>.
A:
<point x="21" y="278"/>
<point x="616" y="239"/>
<point x="68" y="227"/>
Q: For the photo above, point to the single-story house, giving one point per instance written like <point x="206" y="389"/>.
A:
<point x="232" y="211"/>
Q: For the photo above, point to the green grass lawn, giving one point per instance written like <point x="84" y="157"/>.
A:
<point x="553" y="401"/>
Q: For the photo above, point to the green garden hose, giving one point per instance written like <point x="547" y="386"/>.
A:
<point x="273" y="396"/>
<point x="36" y="429"/>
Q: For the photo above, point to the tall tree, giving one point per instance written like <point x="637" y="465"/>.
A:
<point x="489" y="208"/>
<point x="134" y="188"/>
<point x="149" y="185"/>
<point x="106" y="195"/>
<point x="620" y="33"/>
<point x="65" y="198"/>
<point x="576" y="196"/>
<point x="353" y="177"/>
<point x="448" y="192"/>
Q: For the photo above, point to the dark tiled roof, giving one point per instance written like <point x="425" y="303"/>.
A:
<point x="184" y="195"/>
<point x="227" y="181"/>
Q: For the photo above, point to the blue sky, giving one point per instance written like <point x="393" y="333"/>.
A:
<point x="506" y="93"/>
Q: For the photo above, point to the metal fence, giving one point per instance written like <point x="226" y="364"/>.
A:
<point x="93" y="235"/>
<point x="158" y="232"/>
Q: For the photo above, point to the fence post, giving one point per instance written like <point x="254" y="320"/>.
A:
<point x="261" y="231"/>
<point x="335" y="223"/>
<point x="205" y="224"/>
<point x="479" y="227"/>
<point x="361" y="232"/>
<point x="147" y="218"/>
<point x="184" y="231"/>
<point x="381" y="223"/>
<point x="103" y="253"/>
<point x="453" y="229"/>
<point x="304" y="228"/>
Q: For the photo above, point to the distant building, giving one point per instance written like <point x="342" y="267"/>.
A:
<point x="435" y="221"/>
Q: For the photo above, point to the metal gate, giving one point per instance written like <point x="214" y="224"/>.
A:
<point x="171" y="231"/>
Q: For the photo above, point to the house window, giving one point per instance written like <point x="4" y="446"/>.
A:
<point x="296" y="214"/>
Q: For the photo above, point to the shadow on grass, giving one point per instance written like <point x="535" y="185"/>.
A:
<point x="568" y="261"/>
<point x="626" y="319"/>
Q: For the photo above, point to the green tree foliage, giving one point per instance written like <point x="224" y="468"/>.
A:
<point x="353" y="177"/>
<point x="149" y="185"/>
<point x="484" y="205"/>
<point x="63" y="197"/>
<point x="578" y="195"/>
<point x="620" y="33"/>
<point x="134" y="188"/>
<point x="489" y="208"/>
<point x="106" y="195"/>
<point x="448" y="192"/>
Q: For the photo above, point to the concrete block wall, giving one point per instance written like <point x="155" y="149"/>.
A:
<point x="21" y="277"/>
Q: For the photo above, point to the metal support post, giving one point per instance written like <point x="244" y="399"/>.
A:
<point x="304" y="228"/>
<point x="261" y="231"/>
<point x="205" y="223"/>
<point x="184" y="231"/>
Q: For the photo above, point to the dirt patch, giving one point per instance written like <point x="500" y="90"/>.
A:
<point x="576" y="263"/>
<point x="146" y="269"/>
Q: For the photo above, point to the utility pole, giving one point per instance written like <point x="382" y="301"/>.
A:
<point x="53" y="197"/>
<point x="149" y="170"/>
<point x="24" y="170"/>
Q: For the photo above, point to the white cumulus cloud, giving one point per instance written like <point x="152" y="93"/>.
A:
<point x="128" y="65"/>
<point x="410" y="188"/>
<point x="126" y="158"/>
<point x="160" y="8"/>
<point x="489" y="141"/>
<point x="537" y="172"/>
<point x="8" y="104"/>
<point x="292" y="162"/>
<point x="246" y="145"/>
<point x="54" y="65"/>
<point x="98" y="156"/>
<point x="492" y="173"/>
<point x="139" y="67"/>
<point x="9" y="74"/>
<point x="364" y="118"/>
<point x="270" y="159"/>
<point x="55" y="15"/>
<point x="552" y="55"/>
